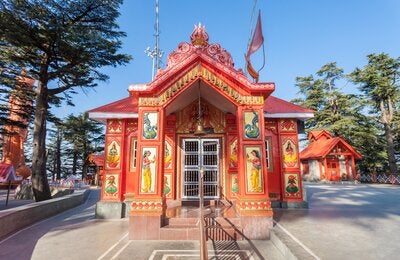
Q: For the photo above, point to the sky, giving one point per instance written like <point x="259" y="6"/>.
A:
<point x="300" y="36"/>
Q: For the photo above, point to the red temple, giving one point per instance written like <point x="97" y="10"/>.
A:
<point x="200" y="115"/>
<point x="328" y="158"/>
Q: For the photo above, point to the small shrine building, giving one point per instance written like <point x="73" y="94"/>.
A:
<point x="95" y="169"/>
<point x="328" y="158"/>
<point x="200" y="117"/>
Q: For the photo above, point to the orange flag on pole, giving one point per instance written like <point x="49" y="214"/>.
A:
<point x="256" y="43"/>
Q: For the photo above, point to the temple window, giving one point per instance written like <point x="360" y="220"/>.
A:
<point x="133" y="154"/>
<point x="268" y="156"/>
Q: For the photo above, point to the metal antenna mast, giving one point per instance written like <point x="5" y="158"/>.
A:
<point x="156" y="53"/>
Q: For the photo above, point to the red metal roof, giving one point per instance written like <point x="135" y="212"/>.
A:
<point x="274" y="105"/>
<point x="126" y="105"/>
<point x="97" y="159"/>
<point x="317" y="134"/>
<point x="322" y="147"/>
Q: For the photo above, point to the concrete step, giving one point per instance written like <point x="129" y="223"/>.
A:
<point x="173" y="232"/>
<point x="223" y="222"/>
<point x="182" y="221"/>
<point x="218" y="228"/>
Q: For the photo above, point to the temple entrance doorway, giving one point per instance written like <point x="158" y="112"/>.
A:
<point x="200" y="154"/>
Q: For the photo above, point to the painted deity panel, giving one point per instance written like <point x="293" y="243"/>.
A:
<point x="289" y="153"/>
<point x="251" y="125"/>
<point x="150" y="125"/>
<point x="167" y="186"/>
<point x="149" y="168"/>
<point x="233" y="156"/>
<point x="213" y="118"/>
<point x="292" y="189"/>
<point x="111" y="186"/>
<point x="113" y="158"/>
<point x="234" y="185"/>
<point x="254" y="173"/>
<point x="168" y="156"/>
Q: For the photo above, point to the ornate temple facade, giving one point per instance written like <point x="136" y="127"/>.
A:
<point x="200" y="118"/>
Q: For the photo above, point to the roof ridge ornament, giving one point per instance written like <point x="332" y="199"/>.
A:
<point x="199" y="36"/>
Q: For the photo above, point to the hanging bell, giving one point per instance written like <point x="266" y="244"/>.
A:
<point x="199" y="128"/>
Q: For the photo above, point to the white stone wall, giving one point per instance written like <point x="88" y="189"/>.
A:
<point x="313" y="168"/>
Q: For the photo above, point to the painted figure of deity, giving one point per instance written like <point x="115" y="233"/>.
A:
<point x="290" y="156"/>
<point x="113" y="156"/>
<point x="254" y="159"/>
<point x="167" y="158"/>
<point x="233" y="160"/>
<point x="146" y="171"/>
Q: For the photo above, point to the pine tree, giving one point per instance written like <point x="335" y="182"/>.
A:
<point x="341" y="114"/>
<point x="379" y="83"/>
<point x="83" y="134"/>
<point x="62" y="44"/>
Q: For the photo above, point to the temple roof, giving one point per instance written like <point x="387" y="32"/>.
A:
<point x="200" y="51"/>
<point x="97" y="159"/>
<point x="211" y="64"/>
<point x="123" y="108"/>
<point x="278" y="108"/>
<point x="322" y="147"/>
<point x="128" y="108"/>
<point x="318" y="134"/>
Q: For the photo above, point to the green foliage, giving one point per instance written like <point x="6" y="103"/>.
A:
<point x="342" y="114"/>
<point x="379" y="83"/>
<point x="70" y="142"/>
<point x="85" y="136"/>
<point x="62" y="44"/>
<point x="335" y="111"/>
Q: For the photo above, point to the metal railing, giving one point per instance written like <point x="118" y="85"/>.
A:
<point x="202" y="223"/>
<point x="378" y="178"/>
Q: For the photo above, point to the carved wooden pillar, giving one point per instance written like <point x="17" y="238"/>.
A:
<point x="254" y="204"/>
<point x="148" y="204"/>
<point x="291" y="177"/>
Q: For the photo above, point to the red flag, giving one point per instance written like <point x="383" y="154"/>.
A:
<point x="258" y="38"/>
<point x="256" y="43"/>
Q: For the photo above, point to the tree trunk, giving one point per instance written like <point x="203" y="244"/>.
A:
<point x="40" y="185"/>
<point x="58" y="156"/>
<point x="74" y="162"/>
<point x="390" y="148"/>
<point x="85" y="160"/>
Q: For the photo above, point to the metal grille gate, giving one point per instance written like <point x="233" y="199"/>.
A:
<point x="200" y="154"/>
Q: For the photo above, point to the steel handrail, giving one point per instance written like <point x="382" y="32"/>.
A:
<point x="202" y="224"/>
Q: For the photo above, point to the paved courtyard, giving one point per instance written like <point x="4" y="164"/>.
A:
<point x="343" y="222"/>
<point x="347" y="221"/>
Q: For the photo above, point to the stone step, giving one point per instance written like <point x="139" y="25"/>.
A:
<point x="176" y="232"/>
<point x="182" y="221"/>
<point x="224" y="222"/>
<point x="216" y="221"/>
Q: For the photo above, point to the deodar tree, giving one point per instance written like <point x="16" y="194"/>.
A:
<point x="62" y="44"/>
<point x="379" y="82"/>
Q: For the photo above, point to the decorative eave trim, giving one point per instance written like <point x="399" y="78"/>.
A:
<point x="202" y="72"/>
<point x="301" y="116"/>
<point x="109" y="115"/>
